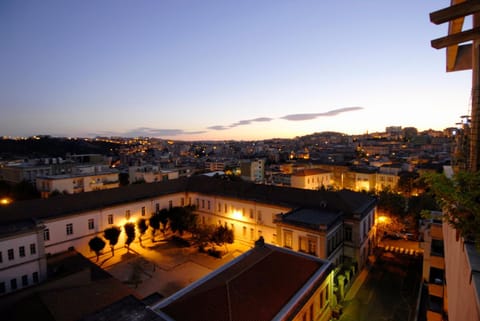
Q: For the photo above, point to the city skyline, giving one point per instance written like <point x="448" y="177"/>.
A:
<point x="221" y="70"/>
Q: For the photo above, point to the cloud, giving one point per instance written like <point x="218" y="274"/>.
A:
<point x="330" y="113"/>
<point x="218" y="127"/>
<point x="151" y="132"/>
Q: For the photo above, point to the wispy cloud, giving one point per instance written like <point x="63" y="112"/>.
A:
<point x="151" y="132"/>
<point x="291" y="117"/>
<point x="330" y="113"/>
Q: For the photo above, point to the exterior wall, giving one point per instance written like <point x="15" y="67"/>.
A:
<point x="77" y="184"/>
<point x="363" y="238"/>
<point x="249" y="220"/>
<point x="461" y="292"/>
<point x="313" y="182"/>
<point x="26" y="270"/>
<point x="384" y="181"/>
<point x="319" y="306"/>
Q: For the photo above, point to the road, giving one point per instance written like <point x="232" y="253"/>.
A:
<point x="389" y="293"/>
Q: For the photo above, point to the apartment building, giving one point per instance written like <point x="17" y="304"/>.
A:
<point x="253" y="170"/>
<point x="314" y="178"/>
<point x="101" y="179"/>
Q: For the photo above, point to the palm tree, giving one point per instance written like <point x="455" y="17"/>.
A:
<point x="96" y="245"/>
<point x="112" y="234"/>
<point x="130" y="231"/>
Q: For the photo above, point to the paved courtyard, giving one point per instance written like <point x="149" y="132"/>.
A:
<point x="162" y="267"/>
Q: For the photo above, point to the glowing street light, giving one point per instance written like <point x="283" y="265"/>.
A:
<point x="5" y="201"/>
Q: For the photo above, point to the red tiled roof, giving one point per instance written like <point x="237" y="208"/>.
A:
<point x="256" y="287"/>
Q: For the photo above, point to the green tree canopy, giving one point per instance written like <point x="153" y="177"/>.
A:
<point x="112" y="234"/>
<point x="130" y="232"/>
<point x="459" y="199"/>
<point x="96" y="245"/>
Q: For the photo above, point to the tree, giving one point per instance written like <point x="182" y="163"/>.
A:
<point x="130" y="231"/>
<point x="112" y="234"/>
<point x="142" y="228"/>
<point x="154" y="223"/>
<point x="96" y="245"/>
<point x="391" y="203"/>
<point x="182" y="219"/>
<point x="459" y="199"/>
<point x="163" y="217"/>
<point x="222" y="235"/>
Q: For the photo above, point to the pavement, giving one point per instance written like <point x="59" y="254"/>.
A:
<point x="162" y="267"/>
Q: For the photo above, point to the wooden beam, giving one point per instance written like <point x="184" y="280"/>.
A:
<point x="455" y="11"/>
<point x="459" y="57"/>
<point x="456" y="38"/>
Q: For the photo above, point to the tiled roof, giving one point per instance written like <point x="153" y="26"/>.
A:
<point x="255" y="286"/>
<point x="311" y="218"/>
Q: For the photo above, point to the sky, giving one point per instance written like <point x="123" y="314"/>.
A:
<point x="224" y="70"/>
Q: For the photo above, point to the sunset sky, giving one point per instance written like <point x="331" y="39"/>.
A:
<point x="249" y="69"/>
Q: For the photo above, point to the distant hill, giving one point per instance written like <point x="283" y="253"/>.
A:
<point x="45" y="146"/>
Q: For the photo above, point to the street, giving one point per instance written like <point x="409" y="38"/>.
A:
<point x="389" y="292"/>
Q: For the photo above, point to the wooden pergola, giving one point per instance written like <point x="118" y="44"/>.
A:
<point x="463" y="53"/>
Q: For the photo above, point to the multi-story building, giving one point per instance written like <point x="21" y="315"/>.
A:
<point x="150" y="174"/>
<point x="253" y="170"/>
<point x="93" y="179"/>
<point x="265" y="283"/>
<point x="70" y="221"/>
<point x="314" y="178"/>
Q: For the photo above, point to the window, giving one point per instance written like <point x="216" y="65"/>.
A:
<point x="157" y="207"/>
<point x="46" y="234"/>
<point x="326" y="293"/>
<point x="24" y="280"/>
<point x="348" y="233"/>
<point x="321" y="300"/>
<point x="170" y="204"/>
<point x="244" y="231"/>
<point x="259" y="215"/>
<point x="69" y="228"/>
<point x="182" y="201"/>
<point x="302" y="244"/>
<point x="252" y="234"/>
<point x="203" y="203"/>
<point x="1" y="257"/>
<point x="110" y="218"/>
<point x="251" y="213"/>
<point x="219" y="207"/>
<point x="21" y="251"/>
<point x="127" y="215"/>
<point x="225" y="208"/>
<point x="197" y="202"/>
<point x="13" y="284"/>
<point x="91" y="224"/>
<point x="33" y="249"/>
<point x="312" y="246"/>
<point x="310" y="313"/>
<point x="2" y="287"/>
<point x="208" y="205"/>
<point x="10" y="255"/>
<point x="288" y="239"/>
<point x="35" y="277"/>
<point x="143" y="209"/>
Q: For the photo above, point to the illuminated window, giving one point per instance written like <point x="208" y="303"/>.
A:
<point x="288" y="239"/>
